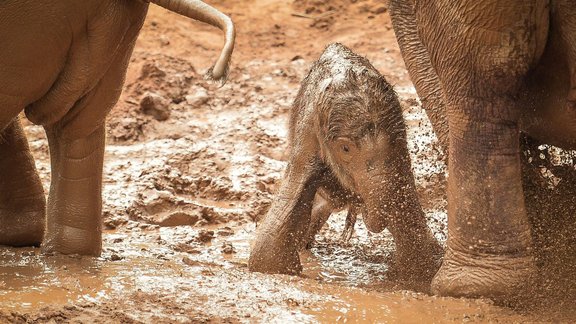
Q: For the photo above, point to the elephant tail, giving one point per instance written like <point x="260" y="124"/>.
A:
<point x="203" y="12"/>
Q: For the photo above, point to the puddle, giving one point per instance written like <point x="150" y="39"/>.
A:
<point x="29" y="281"/>
<point x="143" y="273"/>
<point x="356" y="306"/>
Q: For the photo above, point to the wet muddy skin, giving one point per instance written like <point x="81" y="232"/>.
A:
<point x="181" y="195"/>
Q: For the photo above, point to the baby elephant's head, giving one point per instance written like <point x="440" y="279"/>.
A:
<point x="365" y="144"/>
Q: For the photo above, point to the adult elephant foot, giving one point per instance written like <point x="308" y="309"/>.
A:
<point x="77" y="182"/>
<point x="22" y="202"/>
<point x="22" y="228"/>
<point x="498" y="277"/>
<point x="270" y="255"/>
<point x="72" y="240"/>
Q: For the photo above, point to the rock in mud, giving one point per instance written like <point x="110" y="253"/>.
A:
<point x="151" y="70"/>
<point x="116" y="257"/>
<point x="225" y="231"/>
<point x="155" y="105"/>
<point x="205" y="236"/>
<point x="228" y="248"/>
<point x="198" y="97"/>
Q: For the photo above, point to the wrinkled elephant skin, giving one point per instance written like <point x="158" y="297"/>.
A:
<point x="63" y="63"/>
<point x="486" y="71"/>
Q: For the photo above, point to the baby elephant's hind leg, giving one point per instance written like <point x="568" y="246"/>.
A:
<point x="321" y="210"/>
<point x="22" y="201"/>
<point x="351" y="217"/>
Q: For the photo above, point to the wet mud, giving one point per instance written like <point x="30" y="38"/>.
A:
<point x="188" y="177"/>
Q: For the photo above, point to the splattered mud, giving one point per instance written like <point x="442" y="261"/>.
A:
<point x="190" y="168"/>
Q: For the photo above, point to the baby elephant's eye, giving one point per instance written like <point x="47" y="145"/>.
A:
<point x="344" y="148"/>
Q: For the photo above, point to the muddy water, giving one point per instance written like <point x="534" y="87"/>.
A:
<point x="28" y="281"/>
<point x="340" y="283"/>
<point x="146" y="261"/>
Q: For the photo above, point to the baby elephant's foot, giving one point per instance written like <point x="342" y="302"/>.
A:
<point x="270" y="256"/>
<point x="22" y="228"/>
<point x="416" y="265"/>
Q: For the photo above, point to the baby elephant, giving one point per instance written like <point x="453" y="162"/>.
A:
<point x="348" y="148"/>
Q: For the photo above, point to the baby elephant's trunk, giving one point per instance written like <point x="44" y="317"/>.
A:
<point x="203" y="12"/>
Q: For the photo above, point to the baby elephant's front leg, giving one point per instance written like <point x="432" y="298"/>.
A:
<point x="284" y="228"/>
<point x="75" y="199"/>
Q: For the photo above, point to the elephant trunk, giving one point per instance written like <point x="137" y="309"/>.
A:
<point x="391" y="201"/>
<point x="203" y="12"/>
<point x="380" y="195"/>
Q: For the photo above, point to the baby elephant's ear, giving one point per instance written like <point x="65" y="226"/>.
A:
<point x="344" y="149"/>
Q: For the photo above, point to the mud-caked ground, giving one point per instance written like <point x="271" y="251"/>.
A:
<point x="191" y="167"/>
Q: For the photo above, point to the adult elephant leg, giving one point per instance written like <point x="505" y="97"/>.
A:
<point x="74" y="224"/>
<point x="489" y="243"/>
<point x="75" y="199"/>
<point x="22" y="201"/>
<point x="419" y="66"/>
<point x="286" y="225"/>
<point x="482" y="57"/>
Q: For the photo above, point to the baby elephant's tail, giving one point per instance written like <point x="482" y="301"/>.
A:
<point x="203" y="12"/>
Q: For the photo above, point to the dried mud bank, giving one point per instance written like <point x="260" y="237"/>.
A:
<point x="190" y="168"/>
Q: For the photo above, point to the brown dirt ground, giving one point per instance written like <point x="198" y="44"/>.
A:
<point x="185" y="183"/>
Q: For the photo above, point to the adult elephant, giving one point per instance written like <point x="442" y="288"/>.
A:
<point x="486" y="71"/>
<point x="63" y="62"/>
